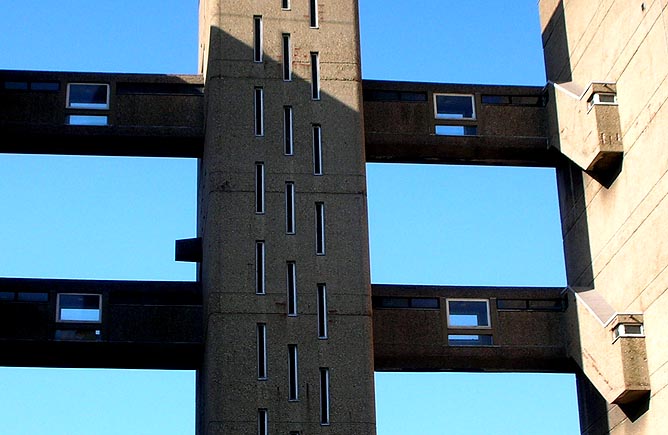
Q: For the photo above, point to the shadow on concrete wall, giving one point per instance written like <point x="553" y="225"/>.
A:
<point x="555" y="47"/>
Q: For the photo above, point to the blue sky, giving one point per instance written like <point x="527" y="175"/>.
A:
<point x="82" y="217"/>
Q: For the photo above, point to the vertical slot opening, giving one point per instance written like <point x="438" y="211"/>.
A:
<point x="313" y="13"/>
<point x="324" y="396"/>
<point x="259" y="111"/>
<point x="315" y="76"/>
<point x="287" y="58"/>
<point x="262" y="422"/>
<point x="262" y="351"/>
<point x="257" y="38"/>
<point x="292" y="288"/>
<point x="320" y="228"/>
<point x="259" y="267"/>
<point x="322" y="311"/>
<point x="288" y="137"/>
<point x="259" y="188"/>
<point x="290" y="207"/>
<point x="293" y="393"/>
<point x="317" y="150"/>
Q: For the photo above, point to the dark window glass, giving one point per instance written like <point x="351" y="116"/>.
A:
<point x="257" y="39"/>
<point x="7" y="296"/>
<point x="293" y="380"/>
<point x="317" y="150"/>
<point x="87" y="96"/>
<point x="292" y="288"/>
<point x="33" y="297"/>
<point x="259" y="188"/>
<point x="289" y="208"/>
<point x="315" y="76"/>
<point x="262" y="422"/>
<point x="454" y="106"/>
<point x="495" y="99"/>
<point x="288" y="140"/>
<point x="320" y="228"/>
<point x="431" y="303"/>
<point x="259" y="267"/>
<point x="313" y="13"/>
<point x="45" y="86"/>
<point x="261" y="351"/>
<point x="468" y="313"/>
<point x="469" y="340"/>
<point x="16" y="86"/>
<point x="79" y="308"/>
<point x="546" y="305"/>
<point x="259" y="112"/>
<point x="287" y="58"/>
<point x="511" y="304"/>
<point x="322" y="311"/>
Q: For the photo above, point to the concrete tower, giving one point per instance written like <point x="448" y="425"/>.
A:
<point x="282" y="216"/>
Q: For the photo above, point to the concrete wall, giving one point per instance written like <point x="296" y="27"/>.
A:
<point x="229" y="391"/>
<point x="614" y="237"/>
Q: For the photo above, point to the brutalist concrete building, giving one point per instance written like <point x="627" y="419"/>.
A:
<point x="283" y="326"/>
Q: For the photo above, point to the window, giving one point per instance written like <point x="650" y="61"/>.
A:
<point x="456" y="130"/>
<point x="313" y="13"/>
<point x="45" y="86"/>
<point x="317" y="150"/>
<point x="259" y="188"/>
<point x="262" y="422"/>
<point x="599" y="98"/>
<point x="87" y="120"/>
<point x="287" y="58"/>
<point x="77" y="335"/>
<point x="290" y="207"/>
<point x="7" y="296"/>
<point x="315" y="76"/>
<point x="468" y="313"/>
<point x="257" y="38"/>
<point x="322" y="311"/>
<point x="87" y="96"/>
<point x="288" y="136"/>
<point x="259" y="111"/>
<point x="285" y="4"/>
<point x="16" y="86"/>
<point x="324" y="396"/>
<point x="292" y="288"/>
<point x="469" y="340"/>
<point x="405" y="302"/>
<point x="293" y="390"/>
<point x="259" y="267"/>
<point x="320" y="228"/>
<point x="628" y="330"/>
<point x="32" y="297"/>
<point x="74" y="307"/>
<point x="262" y="351"/>
<point x="454" y="106"/>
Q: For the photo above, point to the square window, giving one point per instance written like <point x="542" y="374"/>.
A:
<point x="468" y="313"/>
<point x="87" y="96"/>
<point x="454" y="106"/>
<point x="79" y="308"/>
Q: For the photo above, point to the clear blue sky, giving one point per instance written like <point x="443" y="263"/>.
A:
<point x="81" y="217"/>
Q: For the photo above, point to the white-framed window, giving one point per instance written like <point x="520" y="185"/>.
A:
<point x="602" y="99"/>
<point x="285" y="5"/>
<point x="259" y="111"/>
<point x="454" y="106"/>
<point x="468" y="313"/>
<point x="324" y="396"/>
<point x="317" y="149"/>
<point x="320" y="228"/>
<point x="88" y="96"/>
<point x="262" y="421"/>
<point x="293" y="373"/>
<point x="628" y="330"/>
<point x="288" y="131"/>
<point x="315" y="76"/>
<point x="259" y="267"/>
<point x="259" y="188"/>
<point x="313" y="13"/>
<point x="322" y="311"/>
<point x="261" y="351"/>
<point x="257" y="39"/>
<point x="292" y="288"/>
<point x="290" y="207"/>
<point x="287" y="58"/>
<point x="79" y="308"/>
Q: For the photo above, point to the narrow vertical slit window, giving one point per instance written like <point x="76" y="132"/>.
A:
<point x="287" y="58"/>
<point x="324" y="396"/>
<point x="259" y="267"/>
<point x="288" y="137"/>
<point x="285" y="4"/>
<point x="292" y="288"/>
<point x="315" y="76"/>
<point x="290" y="207"/>
<point x="313" y="13"/>
<point x="317" y="150"/>
<point x="262" y="422"/>
<point x="320" y="228"/>
<point x="259" y="188"/>
<point x="259" y="111"/>
<point x="262" y="351"/>
<point x="293" y="374"/>
<point x="322" y="311"/>
<point x="257" y="38"/>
